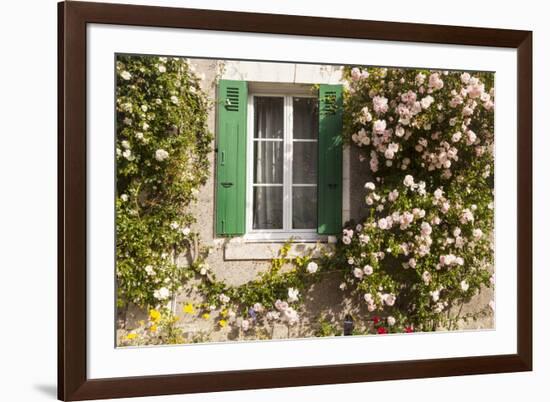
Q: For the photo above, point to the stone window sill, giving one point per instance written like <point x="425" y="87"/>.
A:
<point x="245" y="250"/>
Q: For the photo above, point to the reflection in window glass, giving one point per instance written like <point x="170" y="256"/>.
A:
<point x="305" y="118"/>
<point x="304" y="207"/>
<point x="304" y="163"/>
<point x="268" y="117"/>
<point x="268" y="207"/>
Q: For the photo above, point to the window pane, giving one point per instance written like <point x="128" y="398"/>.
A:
<point x="305" y="118"/>
<point x="268" y="208"/>
<point x="268" y="117"/>
<point x="268" y="162"/>
<point x="304" y="207"/>
<point x="304" y="163"/>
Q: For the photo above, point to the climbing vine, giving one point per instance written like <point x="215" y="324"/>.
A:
<point x="161" y="156"/>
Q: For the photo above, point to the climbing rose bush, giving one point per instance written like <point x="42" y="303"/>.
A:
<point x="162" y="144"/>
<point x="425" y="245"/>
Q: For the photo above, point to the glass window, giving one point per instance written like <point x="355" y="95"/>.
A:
<point x="284" y="163"/>
<point x="268" y="117"/>
<point x="268" y="162"/>
<point x="304" y="207"/>
<point x="306" y="118"/>
<point x="304" y="162"/>
<point x="268" y="208"/>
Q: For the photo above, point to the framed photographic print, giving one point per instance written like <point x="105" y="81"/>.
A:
<point x="253" y="200"/>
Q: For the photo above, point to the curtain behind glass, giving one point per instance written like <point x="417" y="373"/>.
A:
<point x="304" y="162"/>
<point x="268" y="162"/>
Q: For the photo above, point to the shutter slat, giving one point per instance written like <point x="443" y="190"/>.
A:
<point x="231" y="158"/>
<point x="330" y="159"/>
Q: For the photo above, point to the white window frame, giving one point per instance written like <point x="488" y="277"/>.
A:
<point x="287" y="233"/>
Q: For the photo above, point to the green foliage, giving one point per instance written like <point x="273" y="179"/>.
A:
<point x="326" y="328"/>
<point x="427" y="233"/>
<point x="160" y="328"/>
<point x="162" y="145"/>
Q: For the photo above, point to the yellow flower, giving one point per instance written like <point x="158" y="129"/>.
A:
<point x="153" y="328"/>
<point x="223" y="313"/>
<point x="222" y="323"/>
<point x="154" y="315"/>
<point x="206" y="316"/>
<point x="188" y="308"/>
<point x="131" y="336"/>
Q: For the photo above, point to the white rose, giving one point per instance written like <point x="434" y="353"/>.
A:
<point x="379" y="126"/>
<point x="465" y="78"/>
<point x="408" y="181"/>
<point x="364" y="238"/>
<point x="293" y="294"/>
<point x="358" y="273"/>
<point x="435" y="295"/>
<point x="426" y="228"/>
<point x="161" y="294"/>
<point x="370" y="185"/>
<point x="126" y="75"/>
<point x="471" y="137"/>
<point x="149" y="270"/>
<point x="161" y="155"/>
<point x="456" y="136"/>
<point x="290" y="315"/>
<point x="368" y="270"/>
<point x="389" y="299"/>
<point x="426" y="277"/>
<point x="391" y="320"/>
<point x="312" y="267"/>
<point x="245" y="325"/>
<point x="426" y="102"/>
<point x="383" y="223"/>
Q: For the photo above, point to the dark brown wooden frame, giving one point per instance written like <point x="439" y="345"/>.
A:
<point x="73" y="383"/>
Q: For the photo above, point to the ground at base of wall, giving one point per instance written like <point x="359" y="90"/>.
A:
<point x="322" y="314"/>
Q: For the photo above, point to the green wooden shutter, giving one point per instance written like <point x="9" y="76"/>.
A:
<point x="231" y="158"/>
<point x="330" y="159"/>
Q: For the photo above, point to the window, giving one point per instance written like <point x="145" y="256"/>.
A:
<point x="282" y="172"/>
<point x="278" y="161"/>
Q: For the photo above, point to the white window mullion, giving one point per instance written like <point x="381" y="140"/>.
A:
<point x="291" y="156"/>
<point x="287" y="165"/>
<point x="249" y="163"/>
